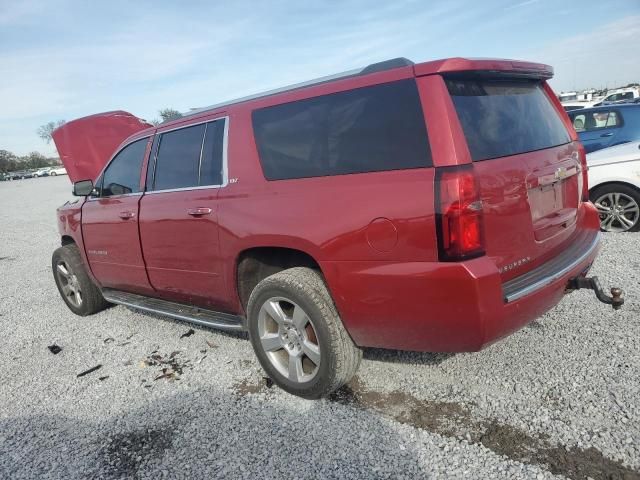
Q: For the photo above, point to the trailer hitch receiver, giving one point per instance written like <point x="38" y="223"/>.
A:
<point x="616" y="300"/>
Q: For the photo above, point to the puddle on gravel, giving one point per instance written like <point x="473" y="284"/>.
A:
<point x="455" y="420"/>
<point x="125" y="453"/>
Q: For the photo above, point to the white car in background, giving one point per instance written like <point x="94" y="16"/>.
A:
<point x="57" y="171"/>
<point x="614" y="186"/>
<point x="42" y="172"/>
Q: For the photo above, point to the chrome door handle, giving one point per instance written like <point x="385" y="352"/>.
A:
<point x="199" y="212"/>
<point x="126" y="215"/>
<point x="607" y="134"/>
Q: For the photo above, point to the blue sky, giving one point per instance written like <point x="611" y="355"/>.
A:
<point x="66" y="59"/>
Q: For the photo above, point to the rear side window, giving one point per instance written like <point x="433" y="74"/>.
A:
<point x="122" y="176"/>
<point x="212" y="151"/>
<point x="505" y="117"/>
<point x="188" y="157"/>
<point x="589" y="121"/>
<point x="178" y="158"/>
<point x="363" y="130"/>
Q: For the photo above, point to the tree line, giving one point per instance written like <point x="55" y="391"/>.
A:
<point x="12" y="163"/>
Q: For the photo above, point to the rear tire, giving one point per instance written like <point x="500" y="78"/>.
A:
<point x="618" y="207"/>
<point x="298" y="336"/>
<point x="77" y="290"/>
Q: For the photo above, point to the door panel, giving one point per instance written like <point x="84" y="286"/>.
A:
<point x="110" y="222"/>
<point x="110" y="232"/>
<point x="179" y="234"/>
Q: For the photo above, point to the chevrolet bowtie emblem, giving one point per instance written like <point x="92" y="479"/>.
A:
<point x="561" y="173"/>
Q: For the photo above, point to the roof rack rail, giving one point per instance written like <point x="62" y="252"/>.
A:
<point x="372" y="68"/>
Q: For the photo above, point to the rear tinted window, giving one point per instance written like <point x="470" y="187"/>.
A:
<point x="363" y="130"/>
<point x="212" y="151"/>
<point x="502" y="118"/>
<point x="178" y="158"/>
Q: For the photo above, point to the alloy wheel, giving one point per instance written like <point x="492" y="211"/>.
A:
<point x="618" y="212"/>
<point x="288" y="337"/>
<point x="69" y="284"/>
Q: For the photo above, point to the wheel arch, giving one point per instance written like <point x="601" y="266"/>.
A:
<point x="254" y="264"/>
<point x="67" y="240"/>
<point x="607" y="183"/>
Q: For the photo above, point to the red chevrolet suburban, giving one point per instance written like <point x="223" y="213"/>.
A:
<point x="432" y="207"/>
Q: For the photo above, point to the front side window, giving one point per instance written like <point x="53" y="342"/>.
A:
<point x="122" y="176"/>
<point x="188" y="157"/>
<point x="367" y="129"/>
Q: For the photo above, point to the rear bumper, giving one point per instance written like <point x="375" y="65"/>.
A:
<point x="550" y="272"/>
<point x="442" y="307"/>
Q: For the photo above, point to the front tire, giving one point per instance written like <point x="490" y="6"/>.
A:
<point x="298" y="336"/>
<point x="618" y="206"/>
<point x="77" y="290"/>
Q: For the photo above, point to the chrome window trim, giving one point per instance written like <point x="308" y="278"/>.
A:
<point x="204" y="139"/>
<point x="225" y="165"/>
<point x="552" y="277"/>
<point x="183" y="189"/>
<point x="93" y="199"/>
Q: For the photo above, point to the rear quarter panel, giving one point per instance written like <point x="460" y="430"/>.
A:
<point x="380" y="217"/>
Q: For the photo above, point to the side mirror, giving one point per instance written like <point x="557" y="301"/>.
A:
<point x="83" y="188"/>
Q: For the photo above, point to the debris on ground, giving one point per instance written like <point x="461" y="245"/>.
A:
<point x="108" y="340"/>
<point x="87" y="372"/>
<point x="55" y="349"/>
<point x="103" y="378"/>
<point x="211" y="344"/>
<point x="268" y="382"/>
<point x="189" y="332"/>
<point x="200" y="360"/>
<point x="171" y="366"/>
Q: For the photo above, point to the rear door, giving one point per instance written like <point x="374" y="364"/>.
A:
<point x="110" y="223"/>
<point x="528" y="167"/>
<point x="597" y="129"/>
<point x="178" y="214"/>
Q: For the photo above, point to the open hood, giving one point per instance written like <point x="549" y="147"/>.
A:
<point x="85" y="145"/>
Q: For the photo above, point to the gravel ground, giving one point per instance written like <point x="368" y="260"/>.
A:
<point x="558" y="399"/>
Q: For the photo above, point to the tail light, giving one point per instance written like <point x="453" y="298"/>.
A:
<point x="459" y="214"/>
<point x="584" y="170"/>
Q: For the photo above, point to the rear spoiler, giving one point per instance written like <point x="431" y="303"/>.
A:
<point x="500" y="67"/>
<point x="85" y="145"/>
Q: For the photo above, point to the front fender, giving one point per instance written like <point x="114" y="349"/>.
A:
<point x="69" y="218"/>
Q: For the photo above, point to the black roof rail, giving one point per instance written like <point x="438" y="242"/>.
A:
<point x="372" y="68"/>
<point x="387" y="65"/>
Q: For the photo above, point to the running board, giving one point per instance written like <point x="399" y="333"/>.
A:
<point x="179" y="311"/>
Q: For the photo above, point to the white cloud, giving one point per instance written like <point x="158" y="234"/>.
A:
<point x="155" y="58"/>
<point x="521" y="4"/>
<point x="12" y="12"/>
<point x="606" y="56"/>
